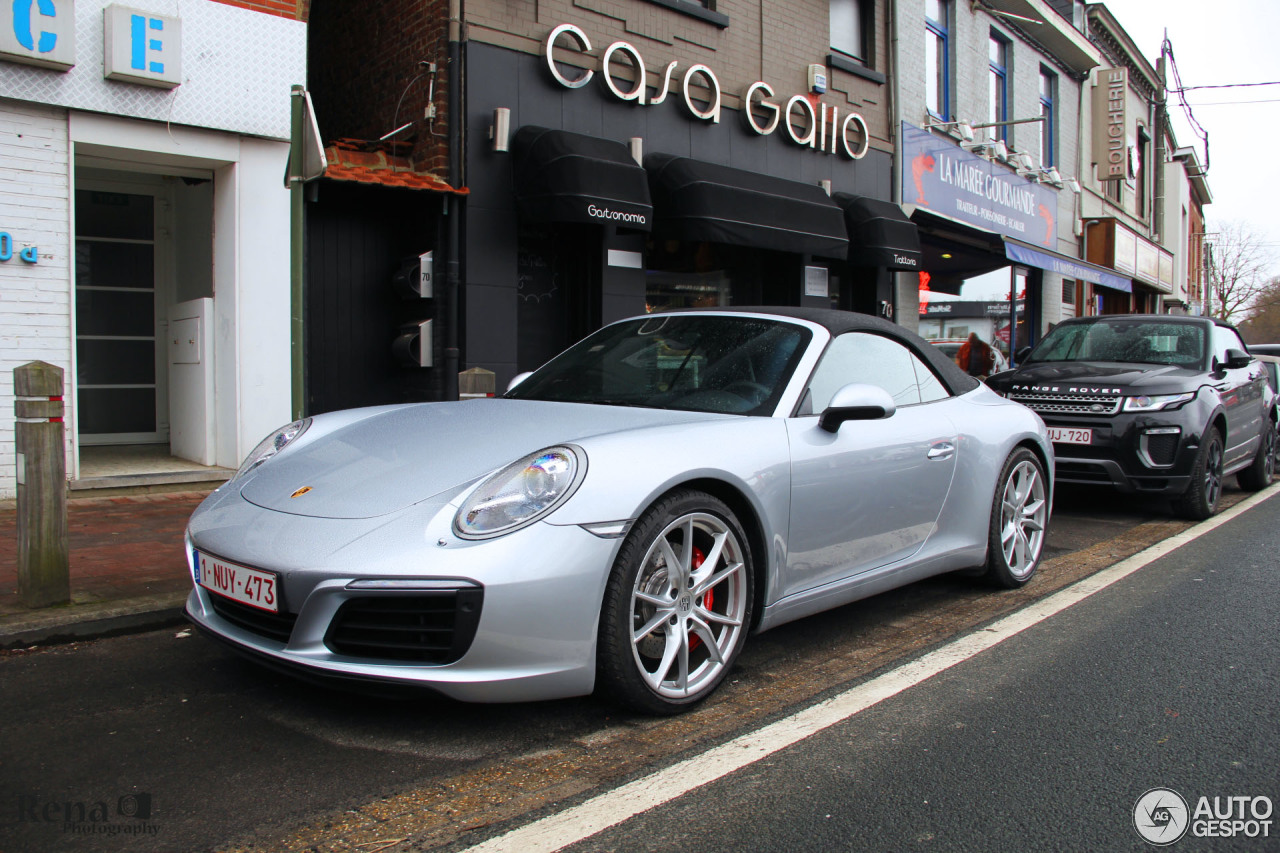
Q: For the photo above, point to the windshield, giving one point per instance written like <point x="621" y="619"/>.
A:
<point x="732" y="365"/>
<point x="1125" y="340"/>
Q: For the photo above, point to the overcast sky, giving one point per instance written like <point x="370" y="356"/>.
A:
<point x="1215" y="43"/>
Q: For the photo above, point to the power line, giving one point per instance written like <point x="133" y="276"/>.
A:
<point x="1270" y="100"/>
<point x="1166" y="49"/>
<point x="1225" y="86"/>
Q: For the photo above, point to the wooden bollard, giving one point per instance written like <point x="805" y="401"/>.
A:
<point x="44" y="558"/>
<point x="475" y="383"/>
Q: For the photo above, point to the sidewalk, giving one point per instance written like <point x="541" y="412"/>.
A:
<point x="128" y="569"/>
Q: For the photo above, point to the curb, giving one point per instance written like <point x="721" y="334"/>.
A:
<point x="93" y="621"/>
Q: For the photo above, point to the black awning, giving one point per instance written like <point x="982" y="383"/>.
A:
<point x="695" y="200"/>
<point x="570" y="177"/>
<point x="880" y="234"/>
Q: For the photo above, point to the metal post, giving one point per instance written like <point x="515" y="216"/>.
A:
<point x="44" y="558"/>
<point x="296" y="327"/>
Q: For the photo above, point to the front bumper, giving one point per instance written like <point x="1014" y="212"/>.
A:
<point x="537" y="592"/>
<point x="1152" y="453"/>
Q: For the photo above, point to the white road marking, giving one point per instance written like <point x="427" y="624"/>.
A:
<point x="580" y="822"/>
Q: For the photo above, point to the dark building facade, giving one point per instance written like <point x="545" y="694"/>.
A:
<point x="574" y="163"/>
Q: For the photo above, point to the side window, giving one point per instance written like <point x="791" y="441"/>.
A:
<point x="1223" y="340"/>
<point x="931" y="388"/>
<point x="872" y="360"/>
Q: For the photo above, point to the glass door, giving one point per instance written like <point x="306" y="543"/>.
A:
<point x="118" y="395"/>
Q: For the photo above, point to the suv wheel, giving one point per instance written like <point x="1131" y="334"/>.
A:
<point x="1201" y="498"/>
<point x="1262" y="470"/>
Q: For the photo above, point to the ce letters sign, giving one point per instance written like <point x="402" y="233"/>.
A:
<point x="138" y="46"/>
<point x="38" y="32"/>
<point x="142" y="47"/>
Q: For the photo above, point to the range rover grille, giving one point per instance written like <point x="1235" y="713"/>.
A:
<point x="1069" y="404"/>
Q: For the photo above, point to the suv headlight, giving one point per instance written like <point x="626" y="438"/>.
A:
<point x="1155" y="404"/>
<point x="521" y="493"/>
<point x="271" y="445"/>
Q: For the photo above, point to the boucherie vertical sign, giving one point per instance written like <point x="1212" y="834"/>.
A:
<point x="1110" y="124"/>
<point x="808" y="123"/>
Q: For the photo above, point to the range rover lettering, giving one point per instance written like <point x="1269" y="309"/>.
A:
<point x="1157" y="404"/>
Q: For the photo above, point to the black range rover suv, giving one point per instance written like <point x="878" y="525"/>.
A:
<point x="1158" y="404"/>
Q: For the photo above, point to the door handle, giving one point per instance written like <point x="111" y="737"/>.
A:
<point x="942" y="450"/>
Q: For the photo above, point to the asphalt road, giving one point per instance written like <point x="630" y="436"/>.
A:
<point x="163" y="741"/>
<point x="1167" y="679"/>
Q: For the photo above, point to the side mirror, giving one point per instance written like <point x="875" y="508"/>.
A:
<point x="518" y="378"/>
<point x="1237" y="359"/>
<point x="856" y="402"/>
<point x="1022" y="354"/>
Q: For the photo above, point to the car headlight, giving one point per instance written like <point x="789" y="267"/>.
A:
<point x="271" y="445"/>
<point x="1155" y="404"/>
<point x="521" y="493"/>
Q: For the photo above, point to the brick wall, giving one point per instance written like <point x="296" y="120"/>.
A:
<point x="34" y="299"/>
<point x="359" y="66"/>
<point x="295" y="9"/>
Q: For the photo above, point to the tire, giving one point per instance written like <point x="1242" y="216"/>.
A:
<point x="1019" y="517"/>
<point x="667" y="639"/>
<point x="1200" y="500"/>
<point x="1262" y="470"/>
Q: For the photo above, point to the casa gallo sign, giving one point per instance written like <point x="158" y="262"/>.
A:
<point x="807" y="123"/>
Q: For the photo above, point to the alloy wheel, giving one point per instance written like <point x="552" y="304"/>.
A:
<point x="688" y="605"/>
<point x="1024" y="512"/>
<point x="1270" y="439"/>
<point x="1213" y="474"/>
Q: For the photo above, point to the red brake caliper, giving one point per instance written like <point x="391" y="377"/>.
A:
<point x="698" y="558"/>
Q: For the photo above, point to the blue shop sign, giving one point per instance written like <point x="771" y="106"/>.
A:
<point x="38" y="32"/>
<point x="940" y="176"/>
<point x="30" y="254"/>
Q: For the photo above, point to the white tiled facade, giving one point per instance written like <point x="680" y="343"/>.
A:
<point x="224" y="126"/>
<point x="969" y="35"/>
<point x="35" y="301"/>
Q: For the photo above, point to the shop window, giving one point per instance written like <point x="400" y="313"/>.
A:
<point x="937" y="52"/>
<point x="1114" y="191"/>
<point x="558" y="287"/>
<point x="1140" y="178"/>
<point x="685" y="274"/>
<point x="998" y="50"/>
<point x="1048" y="124"/>
<point x="702" y="9"/>
<point x="847" y="29"/>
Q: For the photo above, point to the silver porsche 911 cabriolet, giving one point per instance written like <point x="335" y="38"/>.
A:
<point x="626" y="515"/>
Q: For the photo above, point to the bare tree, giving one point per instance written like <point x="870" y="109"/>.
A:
<point x="1240" y="271"/>
<point x="1262" y="326"/>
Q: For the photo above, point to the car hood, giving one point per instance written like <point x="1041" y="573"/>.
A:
<point x="403" y="455"/>
<point x="1061" y="376"/>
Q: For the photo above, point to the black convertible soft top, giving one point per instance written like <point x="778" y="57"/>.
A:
<point x="838" y="322"/>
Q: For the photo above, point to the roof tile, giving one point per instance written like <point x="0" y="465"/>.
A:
<point x="348" y="163"/>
